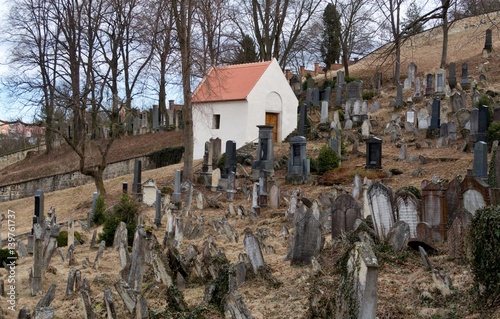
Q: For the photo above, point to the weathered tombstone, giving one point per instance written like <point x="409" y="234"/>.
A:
<point x="315" y="96"/>
<point x="339" y="85"/>
<point x="373" y="153"/>
<point x="297" y="165"/>
<point x="452" y="76"/>
<point x="124" y="187"/>
<point x="483" y="122"/>
<point x="418" y="89"/>
<point x="158" y="208"/>
<point x="378" y="82"/>
<point x="480" y="164"/>
<point x="335" y="144"/>
<point x="302" y="119"/>
<point x="475" y="193"/>
<point x="176" y="196"/>
<point x="423" y="119"/>
<point x="436" y="114"/>
<point x="136" y="185"/>
<point x="440" y="81"/>
<point x="263" y="189"/>
<point x="39" y="210"/>
<point x="411" y="117"/>
<point x="255" y="198"/>
<point x="429" y="85"/>
<point x="149" y="192"/>
<point x="412" y="72"/>
<point x="407" y="210"/>
<point x="358" y="287"/>
<point x="354" y="90"/>
<point x="458" y="101"/>
<point x="375" y="106"/>
<point x="399" y="236"/>
<point x="254" y="253"/>
<point x="308" y="240"/>
<point x="230" y="162"/>
<point x="356" y="111"/>
<point x="265" y="152"/>
<point x="488" y="42"/>
<point x="399" y="95"/>
<point x="139" y="251"/>
<point x="402" y="152"/>
<point x="453" y="201"/>
<point x="465" y="81"/>
<point x="380" y="203"/>
<point x="324" y="112"/>
<point x="231" y="186"/>
<point x="274" y="196"/>
<point x="216" y="175"/>
<point x="365" y="129"/>
<point x="434" y="209"/>
<point x="36" y="272"/>
<point x="345" y="211"/>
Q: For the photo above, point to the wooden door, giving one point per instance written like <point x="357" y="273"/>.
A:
<point x="272" y="119"/>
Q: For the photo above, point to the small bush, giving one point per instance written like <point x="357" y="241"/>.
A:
<point x="368" y="95"/>
<point x="484" y="233"/>
<point x="493" y="133"/>
<point x="327" y="159"/>
<point x="7" y="256"/>
<point x="313" y="165"/>
<point x="125" y="211"/>
<point x="62" y="238"/>
<point x="349" y="79"/>
<point x="414" y="190"/>
<point x="100" y="208"/>
<point x="222" y="162"/>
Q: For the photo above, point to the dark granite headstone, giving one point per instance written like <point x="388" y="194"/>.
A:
<point x="265" y="152"/>
<point x="488" y="43"/>
<point x="345" y="211"/>
<point x="452" y="76"/>
<point x="137" y="184"/>
<point x="124" y="187"/>
<point x="429" y="85"/>
<point x="315" y="96"/>
<point x="373" y="153"/>
<point x="436" y="114"/>
<point x="480" y="164"/>
<point x="230" y="163"/>
<point x="465" y="81"/>
<point x="39" y="206"/>
<point x="302" y="120"/>
<point x="483" y="122"/>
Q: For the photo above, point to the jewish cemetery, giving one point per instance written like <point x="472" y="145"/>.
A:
<point x="366" y="189"/>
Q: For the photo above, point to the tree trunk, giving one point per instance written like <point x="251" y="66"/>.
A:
<point x="444" y="52"/>
<point x="397" y="68"/>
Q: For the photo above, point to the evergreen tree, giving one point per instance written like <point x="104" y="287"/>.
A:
<point x="410" y="22"/>
<point x="246" y="53"/>
<point x="330" y="46"/>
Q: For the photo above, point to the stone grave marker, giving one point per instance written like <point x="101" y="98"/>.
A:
<point x="399" y="236"/>
<point x="324" y="112"/>
<point x="403" y="152"/>
<point x="412" y="72"/>
<point x="452" y="76"/>
<point x="230" y="162"/>
<point x="453" y="200"/>
<point x="373" y="153"/>
<point x="429" y="85"/>
<point x="458" y="100"/>
<point x="149" y="192"/>
<point x="423" y="119"/>
<point x="375" y="106"/>
<point x="418" y="89"/>
<point x="436" y="114"/>
<point x="297" y="173"/>
<point x="434" y="209"/>
<point x="356" y="111"/>
<point x="407" y="206"/>
<point x="254" y="253"/>
<point x="136" y="185"/>
<point x="378" y="82"/>
<point x="176" y="196"/>
<point x="345" y="211"/>
<point x="440" y="81"/>
<point x="265" y="152"/>
<point x="480" y="164"/>
<point x="488" y="41"/>
<point x="365" y="129"/>
<point x="380" y="203"/>
<point x="483" y="122"/>
<point x="354" y="90"/>
<point x="158" y="208"/>
<point x="308" y="240"/>
<point x="274" y="196"/>
<point x="464" y="80"/>
<point x="358" y="288"/>
<point x="475" y="193"/>
<point x="399" y="95"/>
<point x="301" y="129"/>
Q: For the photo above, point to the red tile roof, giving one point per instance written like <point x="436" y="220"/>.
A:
<point x="229" y="83"/>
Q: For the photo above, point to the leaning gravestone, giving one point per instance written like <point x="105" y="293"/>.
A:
<point x="434" y="209"/>
<point x="345" y="211"/>
<point x="308" y="240"/>
<point x="407" y="210"/>
<point x="358" y="287"/>
<point x="254" y="253"/>
<point x="380" y="203"/>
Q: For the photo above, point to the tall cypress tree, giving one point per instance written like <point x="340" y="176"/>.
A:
<point x="330" y="46"/>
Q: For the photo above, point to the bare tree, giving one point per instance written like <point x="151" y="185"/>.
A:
<point x="183" y="16"/>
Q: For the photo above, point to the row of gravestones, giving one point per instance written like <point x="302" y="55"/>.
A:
<point x="428" y="219"/>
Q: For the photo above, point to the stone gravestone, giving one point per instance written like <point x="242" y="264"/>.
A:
<point x="436" y="114"/>
<point x="339" y="85"/>
<point x="315" y="95"/>
<point x="475" y="193"/>
<point x="149" y="192"/>
<point x="365" y="129"/>
<point x="453" y="200"/>
<point x="302" y="119"/>
<point x="230" y="162"/>
<point x="378" y="82"/>
<point x="380" y="203"/>
<point x="307" y="240"/>
<point x="423" y="119"/>
<point x="407" y="210"/>
<point x="375" y="106"/>
<point x="465" y="81"/>
<point x="216" y="176"/>
<point x="452" y="76"/>
<point x="373" y="153"/>
<point x="399" y="95"/>
<point x="158" y="208"/>
<point x="496" y="114"/>
<point x="434" y="209"/>
<point x="358" y="287"/>
<point x="40" y="207"/>
<point x="274" y="196"/>
<point x="412" y="72"/>
<point x="440" y="81"/>
<point x="418" y="89"/>
<point x="354" y="90"/>
<point x="458" y="101"/>
<point x="265" y="152"/>
<point x="474" y="124"/>
<point x="254" y="253"/>
<point x="216" y="151"/>
<point x="488" y="41"/>
<point x="429" y="85"/>
<point x="345" y="211"/>
<point x="483" y="122"/>
<point x="136" y="185"/>
<point x="324" y="112"/>
<point x="480" y="164"/>
<point x="298" y="167"/>
<point x="176" y="196"/>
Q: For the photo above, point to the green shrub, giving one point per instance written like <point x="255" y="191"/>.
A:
<point x="493" y="133"/>
<point x="414" y="190"/>
<point x="368" y="94"/>
<point x="313" y="165"/>
<point x="349" y="79"/>
<point x="222" y="162"/>
<point x="62" y="238"/>
<point x="7" y="256"/>
<point x="125" y="211"/>
<point x="328" y="83"/>
<point x="327" y="159"/>
<point x="484" y="232"/>
<point x="100" y="208"/>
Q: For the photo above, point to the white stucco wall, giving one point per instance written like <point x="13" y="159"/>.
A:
<point x="272" y="94"/>
<point x="233" y="116"/>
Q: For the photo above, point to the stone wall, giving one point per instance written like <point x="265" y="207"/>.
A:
<point x="13" y="158"/>
<point x="72" y="179"/>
